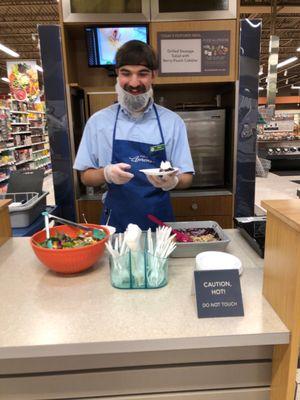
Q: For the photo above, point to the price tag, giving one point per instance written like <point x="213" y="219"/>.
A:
<point x="218" y="294"/>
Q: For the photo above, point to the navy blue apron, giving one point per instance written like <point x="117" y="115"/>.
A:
<point x="131" y="202"/>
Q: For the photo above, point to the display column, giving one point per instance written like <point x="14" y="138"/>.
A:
<point x="58" y="128"/>
<point x="247" y="116"/>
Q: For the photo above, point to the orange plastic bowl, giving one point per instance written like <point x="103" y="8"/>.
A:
<point x="69" y="261"/>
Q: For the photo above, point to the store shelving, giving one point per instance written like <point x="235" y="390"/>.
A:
<point x="19" y="125"/>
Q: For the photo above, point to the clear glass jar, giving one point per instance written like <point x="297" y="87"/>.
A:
<point x="138" y="270"/>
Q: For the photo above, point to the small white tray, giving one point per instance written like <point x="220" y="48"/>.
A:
<point x="157" y="172"/>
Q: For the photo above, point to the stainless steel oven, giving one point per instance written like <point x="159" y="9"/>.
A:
<point x="206" y="134"/>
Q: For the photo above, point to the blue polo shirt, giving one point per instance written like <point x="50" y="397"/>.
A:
<point x="95" y="150"/>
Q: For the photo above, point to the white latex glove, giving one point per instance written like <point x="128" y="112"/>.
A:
<point x="167" y="182"/>
<point x="117" y="173"/>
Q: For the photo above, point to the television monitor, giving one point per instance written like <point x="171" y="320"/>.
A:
<point x="103" y="42"/>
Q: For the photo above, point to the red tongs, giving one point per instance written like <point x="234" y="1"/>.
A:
<point x="180" y="237"/>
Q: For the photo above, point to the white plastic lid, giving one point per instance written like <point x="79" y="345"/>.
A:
<point x="217" y="260"/>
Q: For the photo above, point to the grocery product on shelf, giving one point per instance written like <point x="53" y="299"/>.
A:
<point x="24" y="142"/>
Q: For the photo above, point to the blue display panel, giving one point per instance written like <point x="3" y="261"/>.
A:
<point x="58" y="129"/>
<point x="250" y="32"/>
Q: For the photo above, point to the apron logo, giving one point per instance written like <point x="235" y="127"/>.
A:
<point x="159" y="147"/>
<point x="141" y="158"/>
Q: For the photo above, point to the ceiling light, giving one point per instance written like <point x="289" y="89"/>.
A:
<point x="39" y="68"/>
<point x="287" y="61"/>
<point x="252" y="24"/>
<point x="295" y="87"/>
<point x="298" y="49"/>
<point x="286" y="81"/>
<point x="5" y="79"/>
<point x="261" y="88"/>
<point x="285" y="73"/>
<point x="261" y="70"/>
<point x="9" y="51"/>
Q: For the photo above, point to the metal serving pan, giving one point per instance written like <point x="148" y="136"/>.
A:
<point x="191" y="249"/>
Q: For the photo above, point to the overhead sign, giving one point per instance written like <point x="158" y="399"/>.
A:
<point x="218" y="293"/>
<point x="194" y="53"/>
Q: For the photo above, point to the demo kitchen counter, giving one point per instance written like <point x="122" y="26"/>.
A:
<point x="76" y="336"/>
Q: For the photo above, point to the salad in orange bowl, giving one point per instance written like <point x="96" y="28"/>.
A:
<point x="70" y="250"/>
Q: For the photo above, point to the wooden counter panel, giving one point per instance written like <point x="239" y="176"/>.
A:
<point x="235" y="394"/>
<point x="286" y="210"/>
<point x="73" y="363"/>
<point x="202" y="205"/>
<point x="160" y="379"/>
<point x="5" y="225"/>
<point x="281" y="289"/>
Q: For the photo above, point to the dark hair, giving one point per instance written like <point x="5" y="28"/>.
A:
<point x="136" y="52"/>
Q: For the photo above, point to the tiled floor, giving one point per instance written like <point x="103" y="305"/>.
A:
<point x="48" y="187"/>
<point x="276" y="187"/>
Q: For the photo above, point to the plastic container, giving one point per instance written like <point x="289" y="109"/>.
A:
<point x="191" y="249"/>
<point x="26" y="207"/>
<point x="138" y="270"/>
<point x="25" y="188"/>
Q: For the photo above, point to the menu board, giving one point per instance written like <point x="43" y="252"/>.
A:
<point x="205" y="53"/>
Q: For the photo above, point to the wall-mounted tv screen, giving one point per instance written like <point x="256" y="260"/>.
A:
<point x="103" y="42"/>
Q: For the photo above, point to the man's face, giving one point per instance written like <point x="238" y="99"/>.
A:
<point x="135" y="79"/>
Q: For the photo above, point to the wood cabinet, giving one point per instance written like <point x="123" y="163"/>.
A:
<point x="91" y="209"/>
<point x="197" y="208"/>
<point x="204" y="208"/>
<point x="98" y="100"/>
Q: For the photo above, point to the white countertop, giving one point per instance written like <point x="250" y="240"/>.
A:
<point x="43" y="313"/>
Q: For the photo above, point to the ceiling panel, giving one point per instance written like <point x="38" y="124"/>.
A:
<point x="18" y="29"/>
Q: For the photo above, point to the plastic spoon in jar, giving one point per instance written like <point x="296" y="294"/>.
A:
<point x="180" y="237"/>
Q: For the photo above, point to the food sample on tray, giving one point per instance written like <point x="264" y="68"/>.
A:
<point x="165" y="166"/>
<point x="63" y="241"/>
<point x="201" y="234"/>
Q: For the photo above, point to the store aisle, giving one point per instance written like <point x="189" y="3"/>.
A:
<point x="276" y="187"/>
<point x="48" y="187"/>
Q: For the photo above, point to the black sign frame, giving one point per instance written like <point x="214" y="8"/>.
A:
<point x="218" y="293"/>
